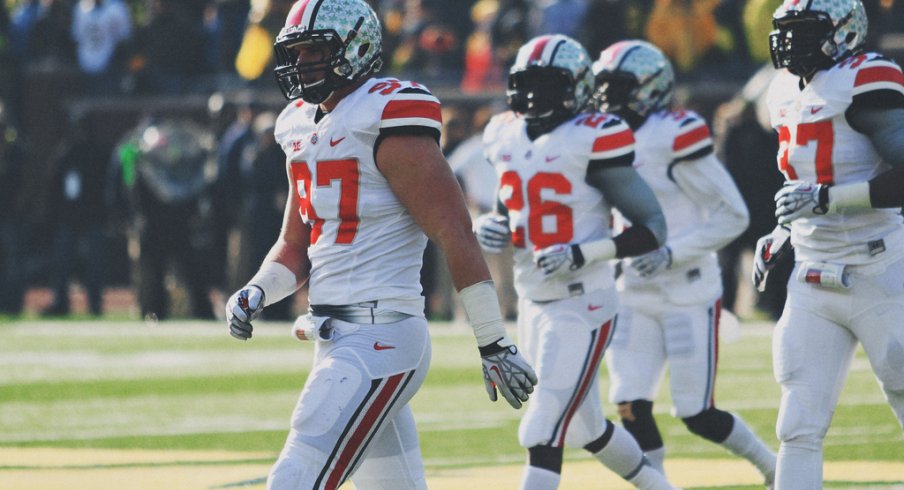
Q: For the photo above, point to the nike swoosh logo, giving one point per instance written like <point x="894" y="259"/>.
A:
<point x="814" y="110"/>
<point x="336" y="142"/>
<point x="593" y="307"/>
<point x="552" y="159"/>
<point x="381" y="346"/>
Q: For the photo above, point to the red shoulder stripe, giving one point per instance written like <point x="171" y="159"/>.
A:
<point x="875" y="74"/>
<point x="613" y="141"/>
<point x="402" y="109"/>
<point x="691" y="137"/>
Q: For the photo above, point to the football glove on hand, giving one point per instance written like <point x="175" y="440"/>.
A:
<point x="798" y="199"/>
<point x="559" y="258"/>
<point x="769" y="249"/>
<point x="492" y="232"/>
<point x="652" y="263"/>
<point x="242" y="308"/>
<point x="505" y="369"/>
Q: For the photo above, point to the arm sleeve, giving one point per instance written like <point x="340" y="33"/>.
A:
<point x="885" y="129"/>
<point x="706" y="182"/>
<point x="627" y="191"/>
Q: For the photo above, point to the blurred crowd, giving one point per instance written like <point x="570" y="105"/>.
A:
<point x="177" y="195"/>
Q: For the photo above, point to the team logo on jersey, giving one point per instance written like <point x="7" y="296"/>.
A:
<point x="296" y="145"/>
<point x="314" y="139"/>
<point x="506" y="157"/>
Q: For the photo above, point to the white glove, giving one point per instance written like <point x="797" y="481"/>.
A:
<point x="652" y="263"/>
<point x="559" y="258"/>
<point x="798" y="199"/>
<point x="505" y="369"/>
<point x="492" y="232"/>
<point x="242" y="308"/>
<point x="769" y="249"/>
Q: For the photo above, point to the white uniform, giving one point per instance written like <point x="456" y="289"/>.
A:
<point x="366" y="249"/>
<point x="675" y="314"/>
<point x="818" y="332"/>
<point x="564" y="322"/>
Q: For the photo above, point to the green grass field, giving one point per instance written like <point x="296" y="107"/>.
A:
<point x="183" y="405"/>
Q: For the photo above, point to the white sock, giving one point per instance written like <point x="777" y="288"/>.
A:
<point x="623" y="456"/>
<point x="535" y="478"/>
<point x="656" y="457"/>
<point x="744" y="443"/>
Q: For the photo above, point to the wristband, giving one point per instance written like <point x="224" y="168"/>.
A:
<point x="849" y="196"/>
<point x="599" y="250"/>
<point x="481" y="306"/>
<point x="275" y="280"/>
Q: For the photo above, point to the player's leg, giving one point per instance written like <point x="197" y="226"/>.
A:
<point x="394" y="459"/>
<point x="635" y="360"/>
<point x="351" y="395"/>
<point x="617" y="450"/>
<point x="811" y="357"/>
<point x="880" y="329"/>
<point x="692" y="343"/>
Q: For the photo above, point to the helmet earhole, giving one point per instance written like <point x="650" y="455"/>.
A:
<point x="850" y="37"/>
<point x="363" y="49"/>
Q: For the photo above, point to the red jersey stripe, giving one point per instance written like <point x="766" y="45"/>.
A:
<point x="401" y="109"/>
<point x="690" y="138"/>
<point x="613" y="141"/>
<point x="879" y="74"/>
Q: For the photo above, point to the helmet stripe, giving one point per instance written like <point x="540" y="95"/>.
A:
<point x="312" y="17"/>
<point x="555" y="50"/>
<point x="297" y="13"/>
<point x="537" y="54"/>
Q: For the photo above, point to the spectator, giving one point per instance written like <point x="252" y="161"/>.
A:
<point x="98" y="29"/>
<point x="168" y="50"/>
<point x="164" y="168"/>
<point x="12" y="166"/>
<point x="608" y="21"/>
<point x="78" y="211"/>
<point x="429" y="46"/>
<point x="255" y="56"/>
<point x="560" y="17"/>
<point x="55" y="44"/>
<point x="685" y="30"/>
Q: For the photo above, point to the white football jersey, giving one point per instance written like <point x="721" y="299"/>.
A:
<point x="542" y="184"/>
<point x="817" y="144"/>
<point x="663" y="141"/>
<point x="365" y="246"/>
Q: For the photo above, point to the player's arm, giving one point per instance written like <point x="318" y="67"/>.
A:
<point x="885" y="129"/>
<point x="421" y="179"/>
<point x="283" y="270"/>
<point x="708" y="184"/>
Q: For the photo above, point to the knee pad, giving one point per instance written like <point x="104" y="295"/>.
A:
<point x="637" y="418"/>
<point x="711" y="424"/>
<point x="546" y="457"/>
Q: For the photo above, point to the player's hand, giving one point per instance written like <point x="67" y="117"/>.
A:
<point x="559" y="258"/>
<point x="504" y="369"/>
<point x="798" y="199"/>
<point x="492" y="232"/>
<point x="769" y="249"/>
<point x="241" y="309"/>
<point x="652" y="263"/>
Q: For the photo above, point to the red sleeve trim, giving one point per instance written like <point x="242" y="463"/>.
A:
<point x="404" y="109"/>
<point x="613" y="141"/>
<point x="879" y="74"/>
<point x="691" y="138"/>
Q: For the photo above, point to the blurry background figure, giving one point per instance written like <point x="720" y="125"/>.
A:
<point x="478" y="181"/>
<point x="430" y="42"/>
<point x="99" y="27"/>
<point x="167" y="55"/>
<point x="78" y="214"/>
<point x="255" y="55"/>
<point x="166" y="168"/>
<point x="748" y="145"/>
<point x="560" y="17"/>
<point x="12" y="225"/>
<point x="262" y="170"/>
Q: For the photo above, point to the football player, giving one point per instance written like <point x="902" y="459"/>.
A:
<point x="839" y="115"/>
<point x="671" y="297"/>
<point x="367" y="180"/>
<point x="560" y="171"/>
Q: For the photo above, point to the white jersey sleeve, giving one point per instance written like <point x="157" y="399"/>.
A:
<point x="817" y="144"/>
<point x="702" y="206"/>
<point x="542" y="184"/>
<point x="365" y="246"/>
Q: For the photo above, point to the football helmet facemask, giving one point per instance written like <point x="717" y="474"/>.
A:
<point x="812" y="36"/>
<point x="633" y="79"/>
<point x="350" y="32"/>
<point x="550" y="80"/>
